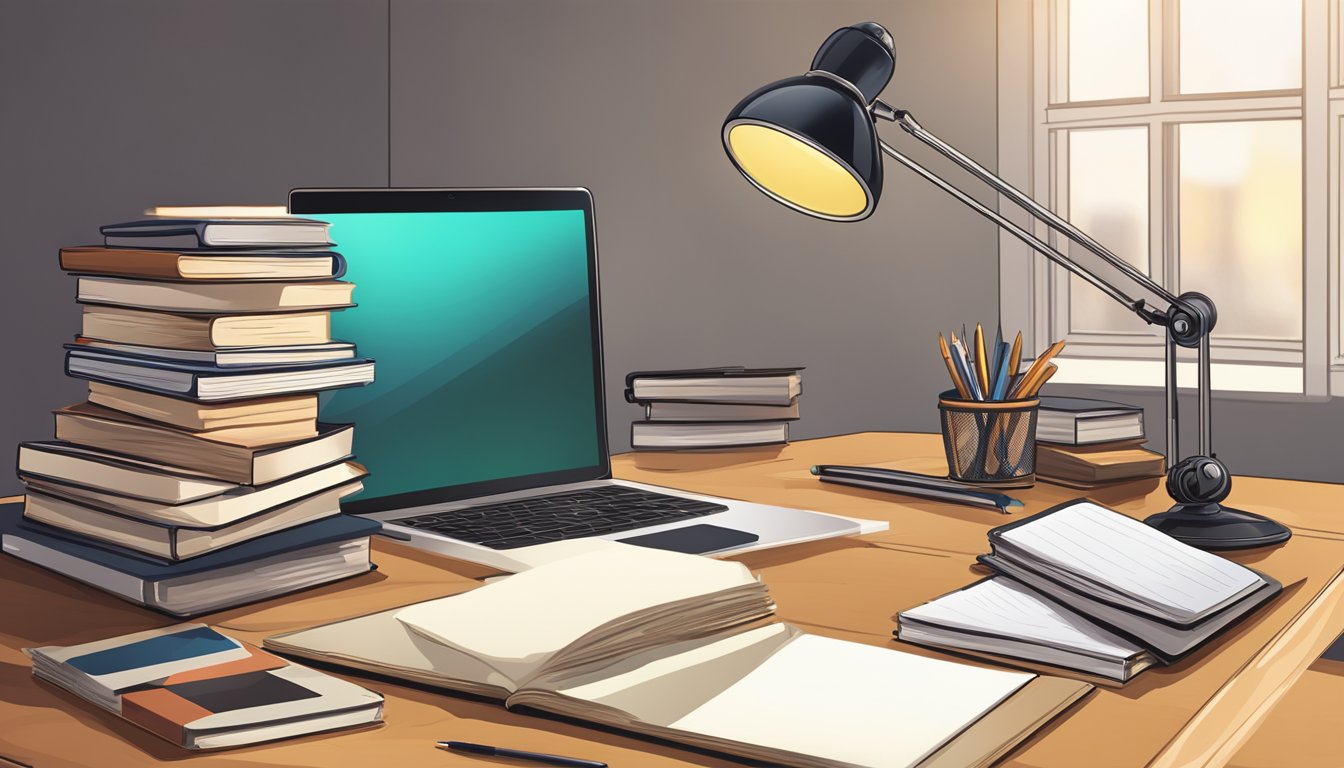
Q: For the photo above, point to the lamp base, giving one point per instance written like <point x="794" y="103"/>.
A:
<point x="1213" y="526"/>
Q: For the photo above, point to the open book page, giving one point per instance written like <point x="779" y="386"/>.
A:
<point x="379" y="643"/>
<point x="1004" y="608"/>
<point x="768" y="689"/>
<point x="1093" y="544"/>
<point x="518" y="624"/>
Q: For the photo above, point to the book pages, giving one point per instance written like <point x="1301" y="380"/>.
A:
<point x="517" y="624"/>
<point x="881" y="707"/>
<point x="1005" y="608"/>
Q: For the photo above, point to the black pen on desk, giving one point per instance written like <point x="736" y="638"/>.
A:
<point x="517" y="754"/>
<point x="914" y="484"/>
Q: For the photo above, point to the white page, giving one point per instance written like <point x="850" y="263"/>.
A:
<point x="853" y="703"/>
<point x="514" y="625"/>
<point x="1134" y="558"/>
<point x="1004" y="607"/>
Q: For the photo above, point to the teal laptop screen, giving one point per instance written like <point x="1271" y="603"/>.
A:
<point x="482" y="328"/>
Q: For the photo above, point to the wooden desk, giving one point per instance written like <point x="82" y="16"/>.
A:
<point x="1199" y="712"/>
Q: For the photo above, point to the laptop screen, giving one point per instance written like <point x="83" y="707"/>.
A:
<point x="483" y="326"/>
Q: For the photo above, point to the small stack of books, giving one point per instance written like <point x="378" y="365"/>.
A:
<point x="204" y="343"/>
<point x="1084" y="443"/>
<point x="1054" y="601"/>
<point x="713" y="407"/>
<point x="199" y="689"/>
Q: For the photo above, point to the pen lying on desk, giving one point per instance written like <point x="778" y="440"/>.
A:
<point x="914" y="484"/>
<point x="518" y="754"/>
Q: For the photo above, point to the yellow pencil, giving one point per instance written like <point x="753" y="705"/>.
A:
<point x="1036" y="369"/>
<point x="952" y="369"/>
<point x="981" y="363"/>
<point x="1015" y="357"/>
<point x="1044" y="376"/>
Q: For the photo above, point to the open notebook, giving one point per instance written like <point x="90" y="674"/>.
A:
<point x="671" y="645"/>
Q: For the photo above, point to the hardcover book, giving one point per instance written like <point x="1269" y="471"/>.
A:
<point x="209" y="383"/>
<point x="220" y="233"/>
<point x="116" y="432"/>
<point x="215" y="298"/>
<point x="213" y="264"/>
<point x="298" y="558"/>
<point x="204" y="332"/>
<point x="198" y="689"/>
<point x="729" y="384"/>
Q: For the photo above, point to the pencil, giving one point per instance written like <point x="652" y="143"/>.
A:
<point x="1044" y="376"/>
<point x="952" y="369"/>
<point x="981" y="363"/>
<point x="1037" y="367"/>
<point x="1015" y="358"/>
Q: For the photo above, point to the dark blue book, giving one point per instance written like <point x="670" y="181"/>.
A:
<point x="267" y="566"/>
<point x="217" y="233"/>
<point x="209" y="383"/>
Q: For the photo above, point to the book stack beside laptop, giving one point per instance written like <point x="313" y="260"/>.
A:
<point x="1084" y="443"/>
<point x="724" y="407"/>
<point x="197" y="474"/>
<point x="1084" y="588"/>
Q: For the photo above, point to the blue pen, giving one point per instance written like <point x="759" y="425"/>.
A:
<point x="517" y="754"/>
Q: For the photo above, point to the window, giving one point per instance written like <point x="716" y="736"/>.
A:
<point x="1199" y="140"/>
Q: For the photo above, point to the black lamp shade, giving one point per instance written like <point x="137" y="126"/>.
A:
<point x="809" y="142"/>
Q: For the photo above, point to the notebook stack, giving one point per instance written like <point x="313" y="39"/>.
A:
<point x="197" y="475"/>
<point x="1084" y="588"/>
<point x="1084" y="443"/>
<point x="713" y="407"/>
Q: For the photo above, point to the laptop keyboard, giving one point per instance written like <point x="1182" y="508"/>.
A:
<point x="571" y="515"/>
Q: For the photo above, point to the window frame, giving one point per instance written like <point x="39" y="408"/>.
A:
<point x="1034" y="293"/>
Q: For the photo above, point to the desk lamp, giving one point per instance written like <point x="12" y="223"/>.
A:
<point x="810" y="142"/>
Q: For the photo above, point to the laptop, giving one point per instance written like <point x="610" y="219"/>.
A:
<point x="485" y="427"/>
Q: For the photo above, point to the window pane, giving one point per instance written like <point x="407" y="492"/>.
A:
<point x="1108" y="50"/>
<point x="1240" y="45"/>
<point x="1108" y="199"/>
<point x="1241" y="224"/>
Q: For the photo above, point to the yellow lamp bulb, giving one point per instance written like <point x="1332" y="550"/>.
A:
<point x="796" y="171"/>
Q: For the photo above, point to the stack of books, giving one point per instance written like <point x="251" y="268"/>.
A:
<point x="1084" y="443"/>
<point x="713" y="407"/>
<point x="197" y="475"/>
<point x="1087" y="589"/>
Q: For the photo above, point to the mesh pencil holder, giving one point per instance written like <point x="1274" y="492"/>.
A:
<point x="990" y="443"/>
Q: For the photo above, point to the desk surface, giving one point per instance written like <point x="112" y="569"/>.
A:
<point x="1208" y="709"/>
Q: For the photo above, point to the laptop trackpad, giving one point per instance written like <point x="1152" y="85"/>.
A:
<point x="694" y="539"/>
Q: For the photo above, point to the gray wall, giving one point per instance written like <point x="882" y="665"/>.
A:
<point x="106" y="108"/>
<point x="626" y="98"/>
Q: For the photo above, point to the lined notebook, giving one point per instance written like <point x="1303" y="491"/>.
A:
<point x="1087" y="588"/>
<point x="1092" y="549"/>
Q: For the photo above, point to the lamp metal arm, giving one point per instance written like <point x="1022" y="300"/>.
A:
<point x="1036" y="243"/>
<point x="907" y="122"/>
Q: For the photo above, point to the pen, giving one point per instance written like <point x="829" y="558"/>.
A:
<point x="952" y="369"/>
<point x="981" y="364"/>
<point x="914" y="484"/>
<point x="517" y="754"/>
